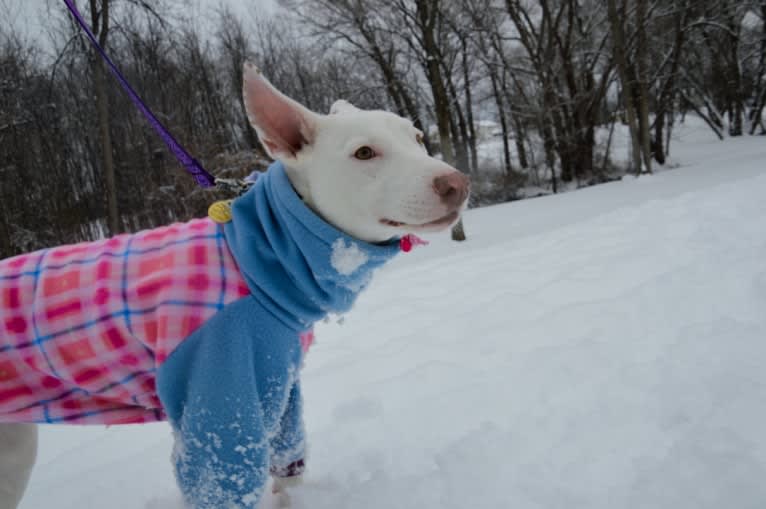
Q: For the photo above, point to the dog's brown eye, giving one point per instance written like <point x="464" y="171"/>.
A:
<point x="419" y="137"/>
<point x="364" y="153"/>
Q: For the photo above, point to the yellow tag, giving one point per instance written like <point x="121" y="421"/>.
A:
<point x="220" y="211"/>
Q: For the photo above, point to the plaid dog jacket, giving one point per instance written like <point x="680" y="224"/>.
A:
<point x="195" y="323"/>
<point x="87" y="326"/>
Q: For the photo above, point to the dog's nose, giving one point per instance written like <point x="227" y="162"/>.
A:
<point x="453" y="188"/>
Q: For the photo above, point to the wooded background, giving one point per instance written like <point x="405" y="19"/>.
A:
<point x="77" y="161"/>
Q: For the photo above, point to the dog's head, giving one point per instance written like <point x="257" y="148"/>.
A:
<point x="365" y="172"/>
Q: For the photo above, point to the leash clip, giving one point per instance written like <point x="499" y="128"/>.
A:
<point x="235" y="186"/>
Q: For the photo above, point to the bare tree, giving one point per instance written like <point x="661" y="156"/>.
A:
<point x="667" y="65"/>
<point x="759" y="89"/>
<point x="629" y="82"/>
<point x="99" y="20"/>
<point x="542" y="69"/>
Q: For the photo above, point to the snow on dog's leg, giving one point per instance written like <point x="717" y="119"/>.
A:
<point x="281" y="487"/>
<point x="18" y="450"/>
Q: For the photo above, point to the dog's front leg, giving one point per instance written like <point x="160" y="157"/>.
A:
<point x="281" y="487"/>
<point x="18" y="450"/>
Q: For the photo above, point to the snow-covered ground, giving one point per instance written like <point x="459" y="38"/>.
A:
<point x="604" y="348"/>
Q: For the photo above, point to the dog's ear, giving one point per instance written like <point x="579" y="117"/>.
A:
<point x="283" y="125"/>
<point x="341" y="106"/>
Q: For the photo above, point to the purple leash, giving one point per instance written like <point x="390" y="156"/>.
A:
<point x="202" y="176"/>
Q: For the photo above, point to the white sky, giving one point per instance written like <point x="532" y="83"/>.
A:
<point x="32" y="17"/>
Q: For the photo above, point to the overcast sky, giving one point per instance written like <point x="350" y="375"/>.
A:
<point x="30" y="17"/>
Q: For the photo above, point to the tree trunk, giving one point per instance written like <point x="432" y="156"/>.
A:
<point x="735" y="76"/>
<point x="758" y="113"/>
<point x="458" y="231"/>
<point x="756" y="116"/>
<point x="519" y="139"/>
<point x="618" y="41"/>
<point x="658" y="149"/>
<point x="563" y="143"/>
<point x="550" y="158"/>
<point x="100" y="24"/>
<point x="389" y="75"/>
<point x="671" y="118"/>
<point x="664" y="108"/>
<point x="712" y="122"/>
<point x="427" y="13"/>
<point x="503" y="122"/>
<point x="458" y="128"/>
<point x="605" y="161"/>
<point x="469" y="108"/>
<point x="735" y="109"/>
<point x="643" y="79"/>
<point x="398" y="93"/>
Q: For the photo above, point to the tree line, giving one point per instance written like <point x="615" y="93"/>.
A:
<point x="77" y="161"/>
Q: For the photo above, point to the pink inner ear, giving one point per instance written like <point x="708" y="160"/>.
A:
<point x="284" y="131"/>
<point x="283" y="123"/>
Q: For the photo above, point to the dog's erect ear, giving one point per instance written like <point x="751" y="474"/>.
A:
<point x="283" y="125"/>
<point x="341" y="106"/>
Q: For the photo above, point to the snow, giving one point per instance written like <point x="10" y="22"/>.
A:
<point x="346" y="258"/>
<point x="603" y="348"/>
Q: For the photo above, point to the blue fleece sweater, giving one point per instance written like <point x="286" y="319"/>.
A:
<point x="231" y="390"/>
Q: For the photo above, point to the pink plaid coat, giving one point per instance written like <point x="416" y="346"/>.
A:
<point x="84" y="328"/>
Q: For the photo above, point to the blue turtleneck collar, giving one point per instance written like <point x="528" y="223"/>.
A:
<point x="297" y="265"/>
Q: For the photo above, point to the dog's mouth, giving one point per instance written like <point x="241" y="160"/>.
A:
<point x="436" y="224"/>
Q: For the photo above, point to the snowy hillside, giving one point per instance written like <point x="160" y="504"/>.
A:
<point x="604" y="348"/>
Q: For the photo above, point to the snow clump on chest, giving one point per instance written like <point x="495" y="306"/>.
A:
<point x="346" y="258"/>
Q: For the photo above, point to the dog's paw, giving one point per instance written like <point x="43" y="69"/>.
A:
<point x="280" y="487"/>
<point x="280" y="501"/>
<point x="282" y="484"/>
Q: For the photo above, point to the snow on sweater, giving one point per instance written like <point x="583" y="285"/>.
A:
<point x="195" y="323"/>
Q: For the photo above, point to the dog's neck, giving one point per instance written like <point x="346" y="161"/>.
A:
<point x="294" y="261"/>
<point x="300" y="185"/>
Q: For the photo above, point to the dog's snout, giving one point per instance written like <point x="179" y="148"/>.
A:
<point x="453" y="188"/>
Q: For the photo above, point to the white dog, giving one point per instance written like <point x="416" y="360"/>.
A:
<point x="205" y="323"/>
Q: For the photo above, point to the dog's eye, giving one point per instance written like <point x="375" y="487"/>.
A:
<point x="419" y="138"/>
<point x="364" y="153"/>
